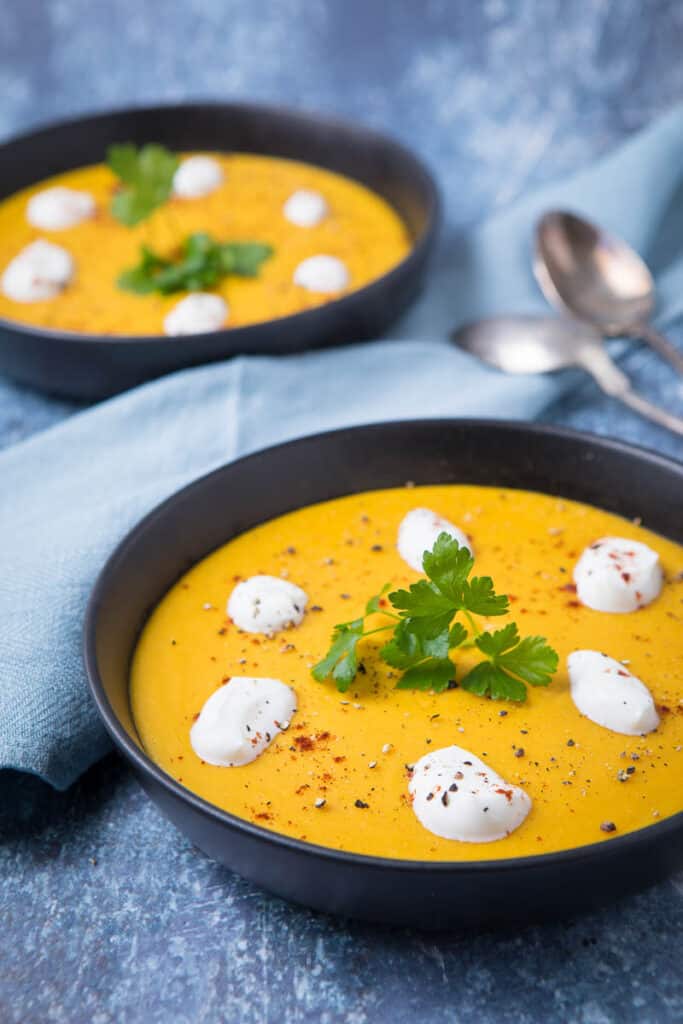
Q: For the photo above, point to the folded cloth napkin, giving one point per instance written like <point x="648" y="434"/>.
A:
<point x="69" y="494"/>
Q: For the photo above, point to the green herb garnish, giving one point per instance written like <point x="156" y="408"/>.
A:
<point x="341" y="661"/>
<point x="424" y="634"/>
<point x="201" y="264"/>
<point x="146" y="177"/>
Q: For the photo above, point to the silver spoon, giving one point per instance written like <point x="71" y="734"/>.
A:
<point x="598" y="278"/>
<point x="537" y="344"/>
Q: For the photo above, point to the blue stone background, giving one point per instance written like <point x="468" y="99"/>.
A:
<point x="107" y="913"/>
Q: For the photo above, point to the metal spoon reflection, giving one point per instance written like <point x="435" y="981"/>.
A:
<point x="598" y="278"/>
<point x="539" y="344"/>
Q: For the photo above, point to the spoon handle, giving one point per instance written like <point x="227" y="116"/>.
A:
<point x="651" y="411"/>
<point x="660" y="344"/>
<point x="616" y="384"/>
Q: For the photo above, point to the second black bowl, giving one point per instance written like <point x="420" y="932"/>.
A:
<point x="198" y="519"/>
<point x="92" y="366"/>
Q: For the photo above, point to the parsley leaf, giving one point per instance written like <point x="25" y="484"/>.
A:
<point x="141" y="279"/>
<point x="530" y="658"/>
<point x="415" y="639"/>
<point x="244" y="258"/>
<point x="487" y="680"/>
<point x="201" y="264"/>
<point x="511" y="659"/>
<point x="448" y="565"/>
<point x="457" y="635"/>
<point x="422" y="599"/>
<point x="432" y="674"/>
<point x="420" y="647"/>
<point x="502" y="640"/>
<point x="147" y="179"/>
<point x="341" y="661"/>
<point x="480" y="598"/>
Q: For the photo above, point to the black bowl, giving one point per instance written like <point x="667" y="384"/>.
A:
<point x="92" y="366"/>
<point x="203" y="516"/>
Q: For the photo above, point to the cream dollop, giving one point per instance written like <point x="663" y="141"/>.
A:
<point x="418" y="532"/>
<point x="197" y="176"/>
<point x="617" y="575"/>
<point x="241" y="719"/>
<point x="40" y="271"/>
<point x="457" y="796"/>
<point x="606" y="692"/>
<point x="322" y="274"/>
<point x="198" y="313"/>
<point x="305" y="208"/>
<point x="57" y="208"/>
<point x="266" y="604"/>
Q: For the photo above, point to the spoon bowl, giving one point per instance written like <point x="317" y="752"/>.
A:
<point x="591" y="274"/>
<point x="526" y="344"/>
<point x="599" y="279"/>
<point x="540" y="344"/>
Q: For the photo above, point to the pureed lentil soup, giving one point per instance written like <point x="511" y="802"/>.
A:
<point x="351" y="750"/>
<point x="360" y="228"/>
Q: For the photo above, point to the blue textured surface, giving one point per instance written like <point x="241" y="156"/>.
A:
<point x="108" y="914"/>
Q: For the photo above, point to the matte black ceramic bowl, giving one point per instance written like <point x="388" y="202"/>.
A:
<point x="209" y="512"/>
<point x="92" y="366"/>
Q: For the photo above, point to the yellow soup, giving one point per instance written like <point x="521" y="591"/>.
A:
<point x="361" y="229"/>
<point x="343" y="551"/>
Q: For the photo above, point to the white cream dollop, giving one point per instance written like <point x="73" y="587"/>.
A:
<point x="40" y="271"/>
<point x="305" y="208"/>
<point x="198" y="313"/>
<point x="197" y="176"/>
<point x="57" y="208"/>
<point x="606" y="692"/>
<point x="457" y="796"/>
<point x="617" y="575"/>
<point x="266" y="604"/>
<point x="322" y="274"/>
<point x="241" y="719"/>
<point x="418" y="533"/>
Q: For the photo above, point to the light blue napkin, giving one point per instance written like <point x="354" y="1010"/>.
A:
<point x="68" y="495"/>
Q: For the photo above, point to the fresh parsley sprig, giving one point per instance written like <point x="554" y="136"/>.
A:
<point x="424" y="634"/>
<point x="146" y="177"/>
<point x="341" y="661"/>
<point x="201" y="263"/>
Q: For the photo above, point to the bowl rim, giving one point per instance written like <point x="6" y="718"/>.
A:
<point x="418" y="245"/>
<point x="629" y="842"/>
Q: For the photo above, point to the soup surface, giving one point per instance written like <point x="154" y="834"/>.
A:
<point x="337" y="746"/>
<point x="361" y="229"/>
